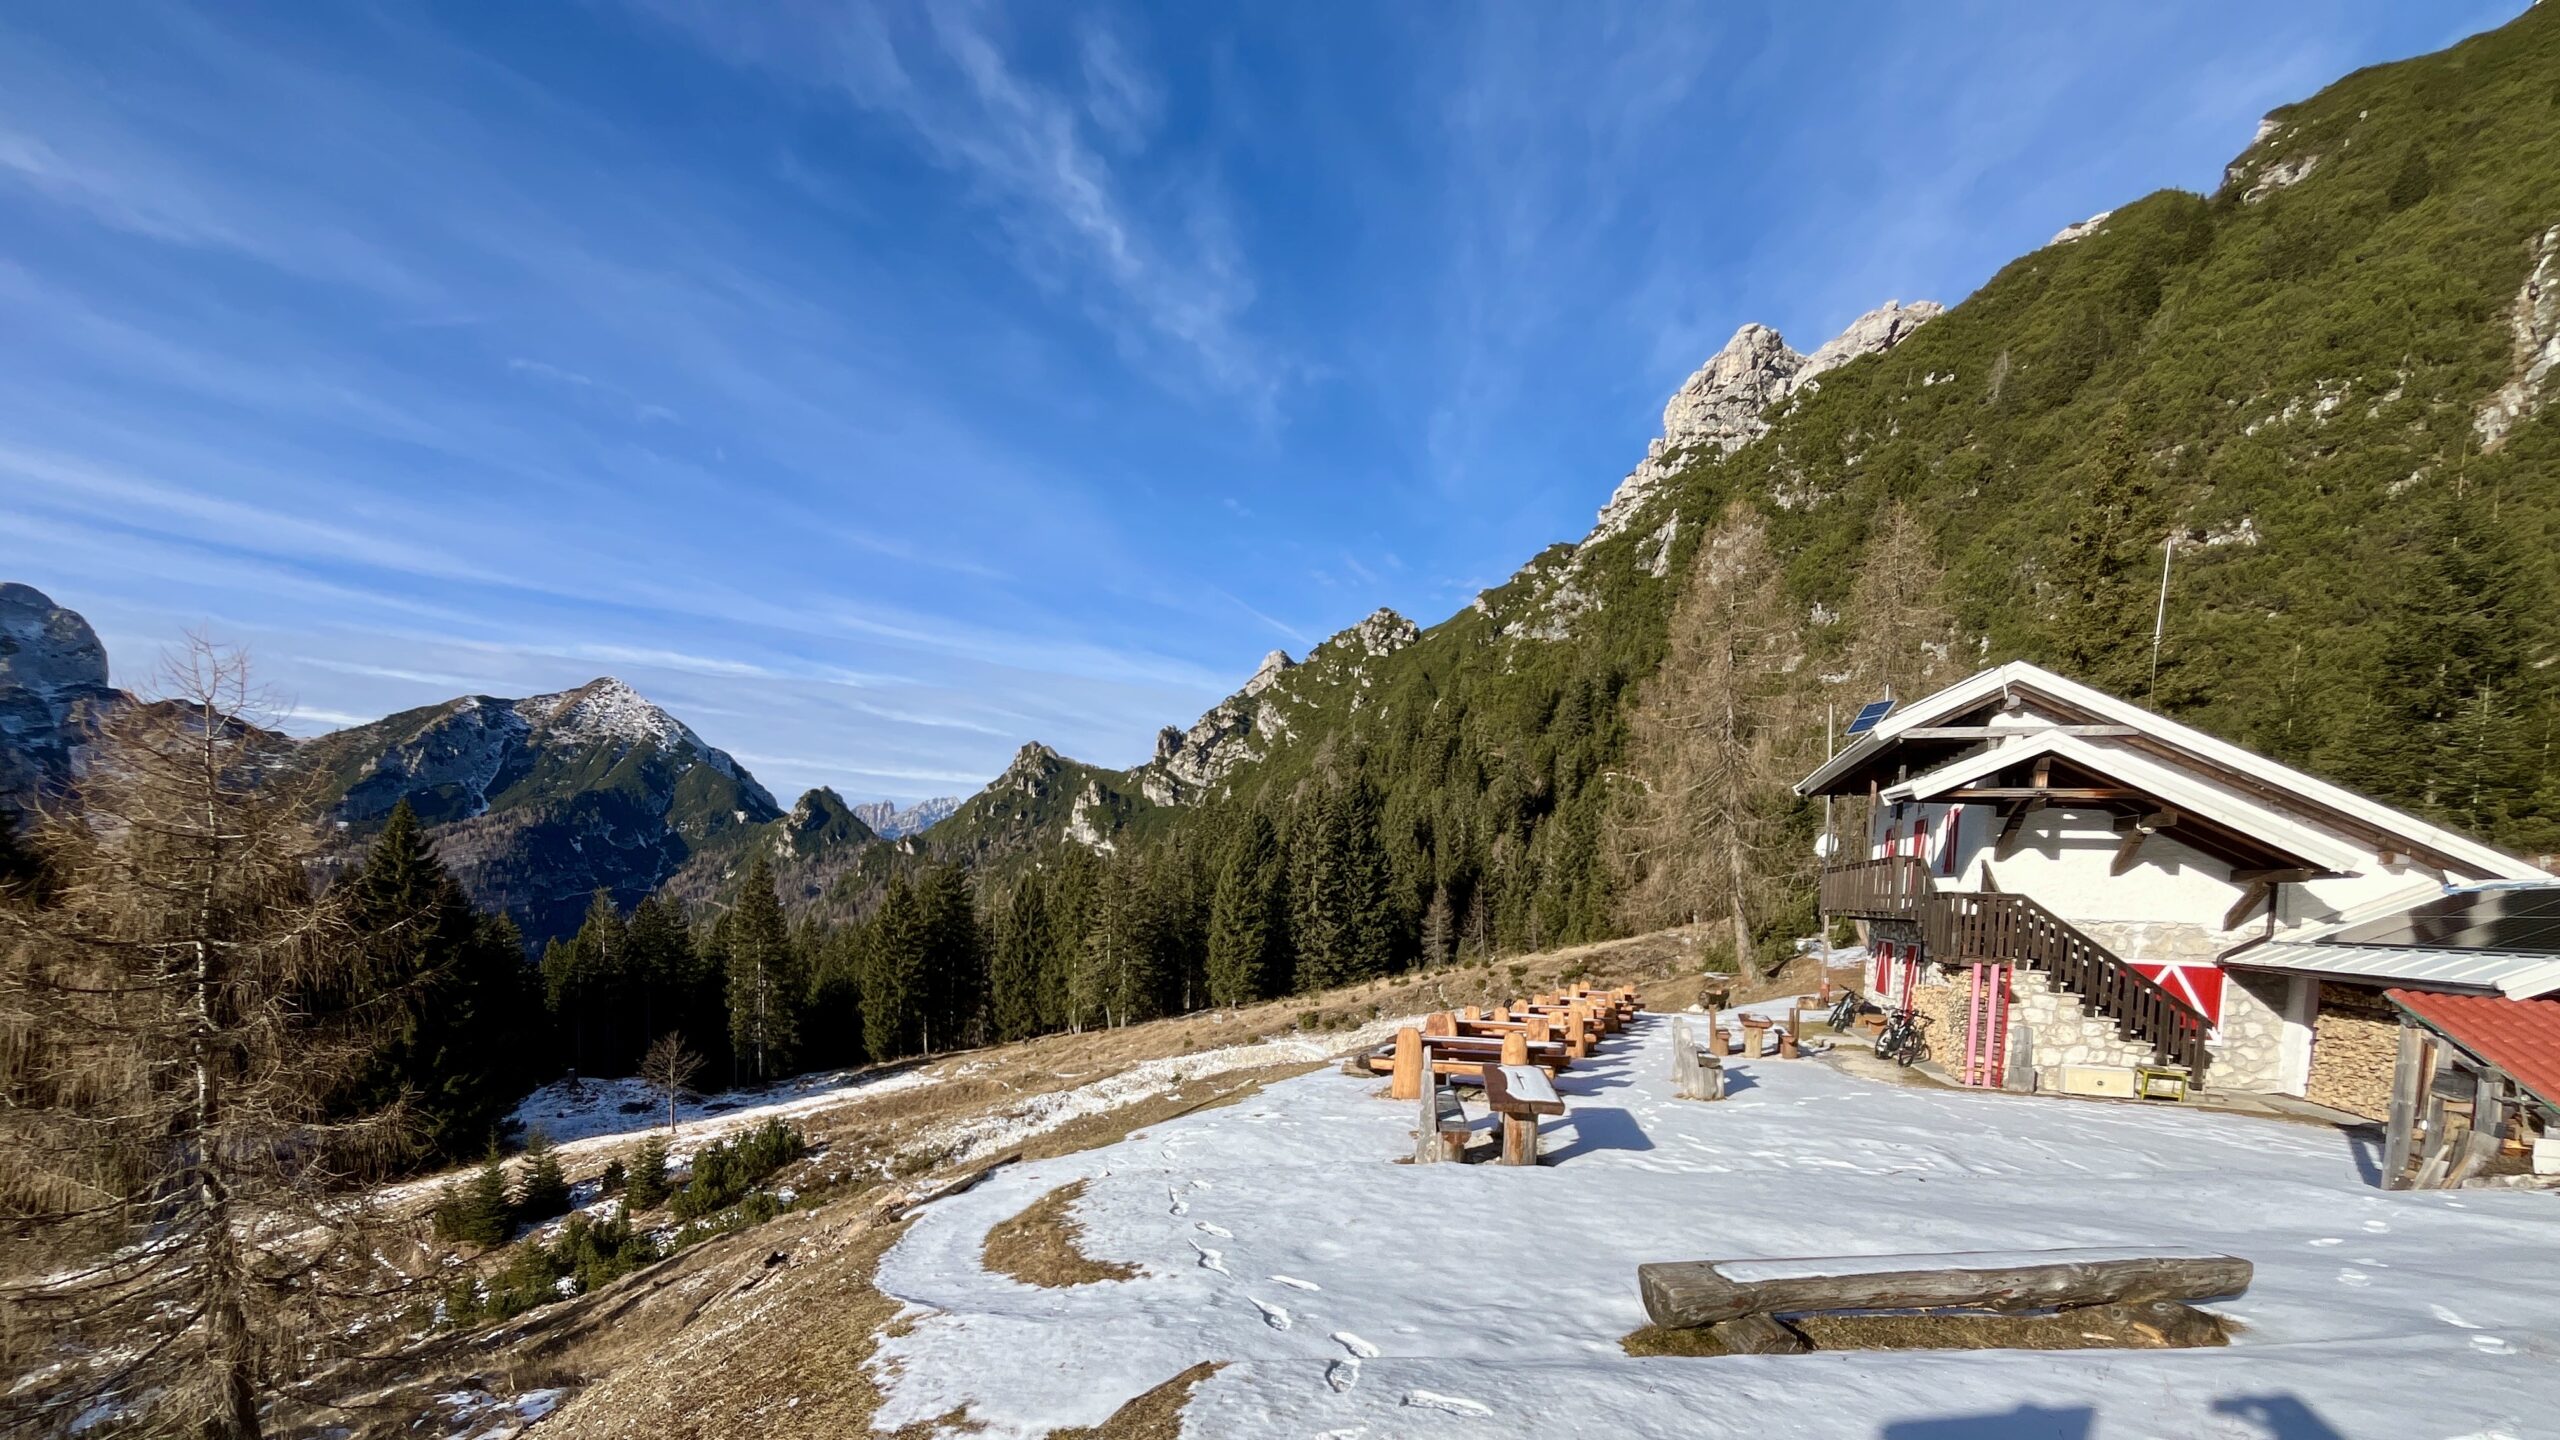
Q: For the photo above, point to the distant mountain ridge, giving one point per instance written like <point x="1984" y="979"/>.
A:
<point x="536" y="803"/>
<point x="890" y="822"/>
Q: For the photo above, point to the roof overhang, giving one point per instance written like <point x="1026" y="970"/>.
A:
<point x="1915" y="739"/>
<point x="2284" y="841"/>
<point x="2464" y="972"/>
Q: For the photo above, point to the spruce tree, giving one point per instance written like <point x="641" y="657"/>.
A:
<point x="1248" y="918"/>
<point x="544" y="1191"/>
<point x="954" y="983"/>
<point x="454" y="990"/>
<point x="766" y="986"/>
<point x="646" y="1188"/>
<point x="895" y="952"/>
<point x="1018" y="962"/>
<point x="480" y="1215"/>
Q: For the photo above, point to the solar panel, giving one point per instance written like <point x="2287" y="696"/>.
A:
<point x="1868" y="715"/>
<point x="2521" y="920"/>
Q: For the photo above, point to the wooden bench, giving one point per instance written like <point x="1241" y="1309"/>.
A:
<point x="1740" y="1301"/>
<point x="1520" y="1094"/>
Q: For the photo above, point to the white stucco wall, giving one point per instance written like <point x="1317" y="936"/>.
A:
<point x="2169" y="906"/>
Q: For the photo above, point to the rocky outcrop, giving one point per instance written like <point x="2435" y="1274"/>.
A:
<point x="2533" y="328"/>
<point x="1382" y="634"/>
<point x="1720" y="408"/>
<point x="2081" y="231"/>
<point x="53" y="684"/>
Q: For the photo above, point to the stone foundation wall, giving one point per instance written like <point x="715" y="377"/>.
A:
<point x="2248" y="1054"/>
<point x="2355" y="1045"/>
<point x="2064" y="1033"/>
<point x="2157" y="941"/>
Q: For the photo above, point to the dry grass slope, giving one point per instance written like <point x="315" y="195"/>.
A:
<point x="1044" y="1245"/>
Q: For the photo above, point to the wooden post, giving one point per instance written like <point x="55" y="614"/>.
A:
<point x="1577" y="1028"/>
<point x="1502" y="1013"/>
<point x="1519" y="1140"/>
<point x="1440" y="1022"/>
<point x="1787" y="1043"/>
<point x="1407" y="1080"/>
<point x="1539" y="1029"/>
<point x="1515" y="1049"/>
<point x="2406" y="1085"/>
<point x="1426" y="1131"/>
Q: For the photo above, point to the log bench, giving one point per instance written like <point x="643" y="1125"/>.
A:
<point x="1520" y="1094"/>
<point x="1442" y="1133"/>
<point x="1740" y="1302"/>
<point x="1696" y="1073"/>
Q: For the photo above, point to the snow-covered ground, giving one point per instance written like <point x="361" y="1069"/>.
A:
<point x="1355" y="1297"/>
<point x="585" y="1109"/>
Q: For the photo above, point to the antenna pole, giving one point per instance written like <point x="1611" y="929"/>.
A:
<point x="2160" y="618"/>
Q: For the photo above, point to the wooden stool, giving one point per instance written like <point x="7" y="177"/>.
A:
<point x="1755" y="1036"/>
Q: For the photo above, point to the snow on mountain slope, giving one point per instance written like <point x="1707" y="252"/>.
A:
<point x="1352" y="1296"/>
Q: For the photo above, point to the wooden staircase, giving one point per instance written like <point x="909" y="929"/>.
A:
<point x="1964" y="927"/>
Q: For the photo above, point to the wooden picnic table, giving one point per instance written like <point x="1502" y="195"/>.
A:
<point x="1520" y="1094"/>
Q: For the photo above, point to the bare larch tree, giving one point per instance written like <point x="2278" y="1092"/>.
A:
<point x="1717" y="736"/>
<point x="183" y="1210"/>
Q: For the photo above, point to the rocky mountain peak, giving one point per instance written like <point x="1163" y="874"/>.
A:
<point x="1720" y="406"/>
<point x="1384" y="632"/>
<point x="1274" y="665"/>
<point x="52" y="670"/>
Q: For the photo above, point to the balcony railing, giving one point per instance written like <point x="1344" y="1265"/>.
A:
<point x="1887" y="889"/>
<point x="1960" y="927"/>
<point x="2014" y="930"/>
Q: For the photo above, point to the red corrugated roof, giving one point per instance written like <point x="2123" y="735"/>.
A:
<point x="2521" y="1037"/>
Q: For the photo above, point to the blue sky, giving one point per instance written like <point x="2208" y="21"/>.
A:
<point x="879" y="388"/>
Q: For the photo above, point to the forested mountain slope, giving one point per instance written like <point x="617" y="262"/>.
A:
<point x="2327" y="381"/>
<point x="536" y="803"/>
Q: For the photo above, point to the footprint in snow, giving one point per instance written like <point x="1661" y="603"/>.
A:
<point x="2330" y="1240"/>
<point x="2354" y="1277"/>
<point x="1342" y="1375"/>
<point x="2377" y="1226"/>
<point x="1175" y="1196"/>
<point x="1451" y="1404"/>
<point x="1353" y="1343"/>
<point x="1212" y="1259"/>
<point x="2491" y="1345"/>
<point x="1205" y="1228"/>
<point x="1294" y="1283"/>
<point x="1201" y="1185"/>
<point x="2452" y="1319"/>
<point x="1275" y="1316"/>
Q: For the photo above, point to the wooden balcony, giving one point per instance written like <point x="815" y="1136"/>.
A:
<point x="1887" y="889"/>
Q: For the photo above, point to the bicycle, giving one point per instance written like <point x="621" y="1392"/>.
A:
<point x="1905" y="1038"/>
<point x="1845" y="1013"/>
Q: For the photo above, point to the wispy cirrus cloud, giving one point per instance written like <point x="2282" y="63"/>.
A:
<point x="1171" y="280"/>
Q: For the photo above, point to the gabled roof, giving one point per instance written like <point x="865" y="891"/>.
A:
<point x="2303" y="844"/>
<point x="2132" y="729"/>
<point x="2520" y="1037"/>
